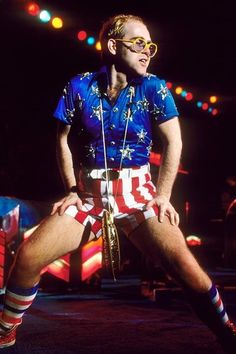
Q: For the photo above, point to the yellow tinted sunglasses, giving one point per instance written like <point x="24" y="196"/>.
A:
<point x="140" y="44"/>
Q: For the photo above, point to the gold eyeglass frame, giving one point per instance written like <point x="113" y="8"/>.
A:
<point x="134" y="41"/>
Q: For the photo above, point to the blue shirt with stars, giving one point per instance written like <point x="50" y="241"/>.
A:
<point x="145" y="101"/>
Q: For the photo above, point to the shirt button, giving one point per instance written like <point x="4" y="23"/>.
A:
<point x="115" y="109"/>
<point x="112" y="126"/>
<point x="112" y="143"/>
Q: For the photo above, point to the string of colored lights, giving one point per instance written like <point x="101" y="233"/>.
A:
<point x="45" y="16"/>
<point x="206" y="104"/>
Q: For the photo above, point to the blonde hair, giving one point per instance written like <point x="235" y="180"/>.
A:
<point x="114" y="28"/>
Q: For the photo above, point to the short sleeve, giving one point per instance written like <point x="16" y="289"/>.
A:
<point x="65" y="109"/>
<point x="164" y="107"/>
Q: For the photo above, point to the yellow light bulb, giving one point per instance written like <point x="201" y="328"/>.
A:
<point x="57" y="22"/>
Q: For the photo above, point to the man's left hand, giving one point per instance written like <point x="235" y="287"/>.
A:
<point x="165" y="208"/>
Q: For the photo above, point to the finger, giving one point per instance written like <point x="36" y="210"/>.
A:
<point x="69" y="202"/>
<point x="63" y="208"/>
<point x="149" y="204"/>
<point x="55" y="208"/>
<point x="172" y="217"/>
<point x="177" y="219"/>
<point x="161" y="213"/>
<point x="79" y="204"/>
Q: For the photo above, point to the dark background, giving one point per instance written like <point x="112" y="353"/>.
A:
<point x="196" y="50"/>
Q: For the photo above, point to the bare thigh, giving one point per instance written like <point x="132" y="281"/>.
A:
<point x="56" y="236"/>
<point x="165" y="243"/>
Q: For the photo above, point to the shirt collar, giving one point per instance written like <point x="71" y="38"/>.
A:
<point x="102" y="79"/>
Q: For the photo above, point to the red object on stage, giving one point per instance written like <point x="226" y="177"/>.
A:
<point x="2" y="256"/>
<point x="60" y="268"/>
<point x="91" y="257"/>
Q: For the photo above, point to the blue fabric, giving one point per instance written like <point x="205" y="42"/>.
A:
<point x="22" y="291"/>
<point x="213" y="291"/>
<point x="79" y="106"/>
<point x="29" y="216"/>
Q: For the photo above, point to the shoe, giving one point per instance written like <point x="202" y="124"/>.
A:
<point x="228" y="338"/>
<point x="7" y="339"/>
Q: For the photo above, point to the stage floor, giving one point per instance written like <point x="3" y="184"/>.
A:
<point x="119" y="318"/>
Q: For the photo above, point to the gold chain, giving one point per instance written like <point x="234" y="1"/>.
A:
<point x="111" y="246"/>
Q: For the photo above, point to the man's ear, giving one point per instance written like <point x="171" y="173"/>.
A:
<point x="111" y="45"/>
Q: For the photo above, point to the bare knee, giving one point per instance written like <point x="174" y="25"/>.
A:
<point x="26" y="261"/>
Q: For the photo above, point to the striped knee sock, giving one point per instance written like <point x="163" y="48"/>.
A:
<point x="210" y="309"/>
<point x="17" y="301"/>
<point x="219" y="306"/>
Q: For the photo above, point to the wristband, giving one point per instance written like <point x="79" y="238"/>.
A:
<point x="73" y="189"/>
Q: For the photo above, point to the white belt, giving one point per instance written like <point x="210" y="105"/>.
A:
<point x="114" y="174"/>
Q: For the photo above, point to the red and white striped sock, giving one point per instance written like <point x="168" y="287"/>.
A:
<point x="217" y="302"/>
<point x="17" y="301"/>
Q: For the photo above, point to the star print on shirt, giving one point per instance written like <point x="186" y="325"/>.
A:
<point x="131" y="92"/>
<point x="126" y="152"/>
<point x="157" y="111"/>
<point x="96" y="112"/>
<point x="87" y="120"/>
<point x="163" y="91"/>
<point x="79" y="101"/>
<point x="149" y="148"/>
<point x="143" y="105"/>
<point x="127" y="115"/>
<point x="95" y="91"/>
<point x="70" y="114"/>
<point x="149" y="76"/>
<point x="141" y="136"/>
<point x="91" y="150"/>
<point x="65" y="91"/>
<point x="85" y="75"/>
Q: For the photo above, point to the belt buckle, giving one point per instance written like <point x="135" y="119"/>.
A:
<point x="111" y="175"/>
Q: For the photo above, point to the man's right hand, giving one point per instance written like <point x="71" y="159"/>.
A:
<point x="71" y="199"/>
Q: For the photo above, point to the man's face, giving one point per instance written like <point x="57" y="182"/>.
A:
<point x="136" y="63"/>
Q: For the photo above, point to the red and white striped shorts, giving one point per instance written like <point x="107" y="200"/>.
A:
<point x="128" y="196"/>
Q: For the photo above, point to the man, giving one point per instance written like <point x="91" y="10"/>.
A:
<point x="112" y="115"/>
